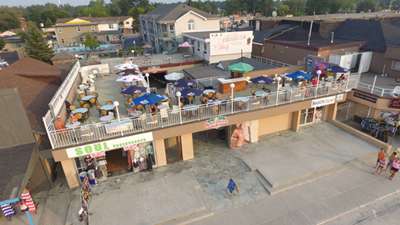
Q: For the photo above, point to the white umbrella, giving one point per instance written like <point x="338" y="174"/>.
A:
<point x="174" y="76"/>
<point x="130" y="78"/>
<point x="185" y="45"/>
<point x="126" y="66"/>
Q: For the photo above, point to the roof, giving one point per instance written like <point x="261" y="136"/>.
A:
<point x="335" y="17"/>
<point x="171" y="12"/>
<point x="369" y="31"/>
<point x="36" y="82"/>
<point x="90" y="20"/>
<point x="9" y="57"/>
<point x="298" y="37"/>
<point x="201" y="35"/>
<point x="15" y="128"/>
<point x="63" y="56"/>
<point x="16" y="142"/>
<point x="391" y="32"/>
<point x="259" y="36"/>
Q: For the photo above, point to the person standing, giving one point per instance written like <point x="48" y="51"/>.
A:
<point x="381" y="161"/>
<point x="391" y="158"/>
<point x="395" y="168"/>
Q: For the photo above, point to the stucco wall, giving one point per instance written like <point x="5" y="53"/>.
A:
<point x="275" y="124"/>
<point x="71" y="35"/>
<point x="181" y="25"/>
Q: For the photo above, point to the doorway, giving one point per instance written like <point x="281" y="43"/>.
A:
<point x="117" y="162"/>
<point x="311" y="115"/>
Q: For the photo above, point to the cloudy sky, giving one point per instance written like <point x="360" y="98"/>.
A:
<point x="72" y="2"/>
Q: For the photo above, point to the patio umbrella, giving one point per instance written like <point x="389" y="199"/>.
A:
<point x="338" y="69"/>
<point x="182" y="83"/>
<point x="262" y="80"/>
<point x="133" y="89"/>
<point x="185" y="45"/>
<point x="174" y="76"/>
<point x="147" y="46"/>
<point x="191" y="92"/>
<point x="299" y="75"/>
<point x="130" y="78"/>
<point x="149" y="98"/>
<point x="240" y="67"/>
<point x="126" y="66"/>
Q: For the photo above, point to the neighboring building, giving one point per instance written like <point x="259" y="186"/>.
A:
<point x="13" y="41"/>
<point x="20" y="162"/>
<point x="289" y="44"/>
<point x="216" y="46"/>
<point x="380" y="37"/>
<point x="163" y="27"/>
<point x="36" y="82"/>
<point x="71" y="32"/>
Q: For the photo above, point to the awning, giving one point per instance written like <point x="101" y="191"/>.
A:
<point x="240" y="67"/>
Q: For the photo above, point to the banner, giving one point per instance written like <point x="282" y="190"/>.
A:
<point x="216" y="122"/>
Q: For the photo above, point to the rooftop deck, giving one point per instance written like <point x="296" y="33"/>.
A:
<point x="93" y="130"/>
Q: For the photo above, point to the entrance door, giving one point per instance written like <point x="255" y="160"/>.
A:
<point x="311" y="115"/>
<point x="117" y="162"/>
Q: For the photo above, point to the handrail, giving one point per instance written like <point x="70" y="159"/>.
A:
<point x="379" y="91"/>
<point x="172" y="117"/>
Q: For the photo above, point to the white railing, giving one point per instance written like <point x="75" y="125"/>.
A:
<point x="379" y="91"/>
<point x="270" y="61"/>
<point x="58" y="99"/>
<point x="129" y="126"/>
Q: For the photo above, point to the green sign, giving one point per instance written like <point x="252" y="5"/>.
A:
<point x="108" y="145"/>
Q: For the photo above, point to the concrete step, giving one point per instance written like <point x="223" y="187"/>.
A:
<point x="308" y="178"/>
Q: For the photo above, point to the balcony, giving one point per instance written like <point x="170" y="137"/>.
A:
<point x="382" y="86"/>
<point x="174" y="117"/>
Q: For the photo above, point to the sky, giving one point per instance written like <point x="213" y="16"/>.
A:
<point x="72" y="2"/>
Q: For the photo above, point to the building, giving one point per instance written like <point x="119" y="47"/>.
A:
<point x="19" y="155"/>
<point x="381" y="37"/>
<point x="13" y="41"/>
<point x="163" y="27"/>
<point x="213" y="46"/>
<point x="36" y="82"/>
<point x="168" y="137"/>
<point x="71" y="32"/>
<point x="291" y="44"/>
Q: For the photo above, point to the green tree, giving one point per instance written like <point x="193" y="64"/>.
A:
<point x="96" y="8"/>
<point x="296" y="7"/>
<point x="46" y="14"/>
<point x="9" y="19"/>
<point x="2" y="44"/>
<point x="283" y="10"/>
<point x="35" y="44"/>
<point x="395" y="5"/>
<point x="366" y="5"/>
<point x="91" y="41"/>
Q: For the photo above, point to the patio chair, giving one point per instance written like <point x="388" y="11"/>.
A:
<point x="396" y="91"/>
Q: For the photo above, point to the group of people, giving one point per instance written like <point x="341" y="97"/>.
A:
<point x="392" y="164"/>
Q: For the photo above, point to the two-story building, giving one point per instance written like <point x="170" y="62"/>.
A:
<point x="163" y="27"/>
<point x="71" y="32"/>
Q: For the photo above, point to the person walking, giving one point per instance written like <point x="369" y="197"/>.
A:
<point x="391" y="158"/>
<point x="381" y="162"/>
<point x="395" y="168"/>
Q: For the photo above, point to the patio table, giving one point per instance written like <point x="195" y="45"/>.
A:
<point x="80" y="110"/>
<point x="73" y="125"/>
<point x="107" y="118"/>
<point x="88" y="97"/>
<point x="107" y="107"/>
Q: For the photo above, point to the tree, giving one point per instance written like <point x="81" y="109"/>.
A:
<point x="91" y="41"/>
<point x="296" y="7"/>
<point x="96" y="8"/>
<point x="366" y="5"/>
<point x="395" y="5"/>
<point x="9" y="19"/>
<point x="2" y="44"/>
<point x="35" y="45"/>
<point x="283" y="10"/>
<point x="46" y="14"/>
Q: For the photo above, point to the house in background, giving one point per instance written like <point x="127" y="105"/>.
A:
<point x="215" y="46"/>
<point x="71" y="32"/>
<point x="163" y="27"/>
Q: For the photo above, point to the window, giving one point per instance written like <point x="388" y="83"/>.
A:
<point x="171" y="27"/>
<point x="205" y="48"/>
<point x="396" y="65"/>
<point x="198" y="45"/>
<point x="62" y="40"/>
<point x="127" y="22"/>
<point x="248" y="41"/>
<point x="190" y="25"/>
<point x="78" y="28"/>
<point x="111" y="26"/>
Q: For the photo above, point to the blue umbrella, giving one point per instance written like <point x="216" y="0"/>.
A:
<point x="183" y="83"/>
<point x="262" y="80"/>
<point x="337" y="69"/>
<point x="148" y="98"/>
<point x="191" y="92"/>
<point x="133" y="89"/>
<point x="299" y="75"/>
